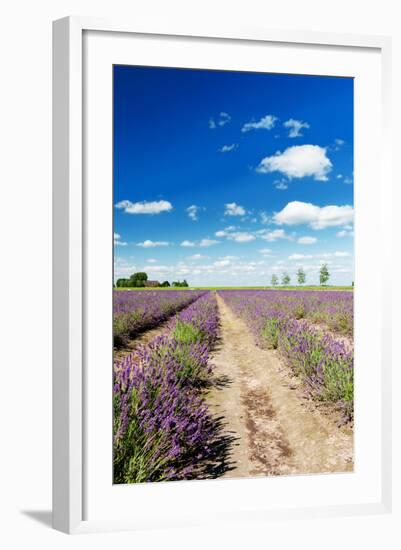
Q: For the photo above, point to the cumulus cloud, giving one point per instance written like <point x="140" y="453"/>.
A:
<point x="231" y="234"/>
<point x="196" y="257"/>
<point x="152" y="244"/>
<point x="193" y="212"/>
<point x="282" y="185"/>
<point x="317" y="217"/>
<point x="242" y="237"/>
<point x="228" y="148"/>
<point x="144" y="207"/>
<point x="265" y="123"/>
<point x="299" y="161"/>
<point x="265" y="251"/>
<point x="233" y="209"/>
<point x="203" y="242"/>
<point x="295" y="126"/>
<point x="118" y="241"/>
<point x="345" y="233"/>
<point x="307" y="240"/>
<point x="300" y="257"/>
<point x="274" y="235"/>
<point x="221" y="120"/>
<point x="207" y="242"/>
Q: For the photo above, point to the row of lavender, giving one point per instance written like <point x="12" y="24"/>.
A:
<point x="163" y="429"/>
<point x="289" y="321"/>
<point x="136" y="311"/>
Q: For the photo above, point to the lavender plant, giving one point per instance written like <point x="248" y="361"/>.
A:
<point x="136" y="311"/>
<point x="306" y="328"/>
<point x="163" y="429"/>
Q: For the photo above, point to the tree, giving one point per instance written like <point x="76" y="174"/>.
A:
<point x="180" y="284"/>
<point x="122" y="283"/>
<point x="165" y="283"/>
<point x="138" y="279"/>
<point x="324" y="274"/>
<point x="286" y="279"/>
<point x="301" y="276"/>
<point x="274" y="280"/>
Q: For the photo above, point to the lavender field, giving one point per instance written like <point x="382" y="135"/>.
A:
<point x="313" y="334"/>
<point x="185" y="400"/>
<point x="134" y="312"/>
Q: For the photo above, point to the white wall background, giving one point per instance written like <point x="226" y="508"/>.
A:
<point x="25" y="122"/>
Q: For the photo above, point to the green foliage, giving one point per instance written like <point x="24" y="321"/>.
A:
<point x="271" y="332"/>
<point x="285" y="279"/>
<point x="187" y="333"/>
<point x="180" y="284"/>
<point x="324" y="274"/>
<point x="122" y="283"/>
<point x="301" y="276"/>
<point x="165" y="284"/>
<point x="138" y="279"/>
<point x="274" y="280"/>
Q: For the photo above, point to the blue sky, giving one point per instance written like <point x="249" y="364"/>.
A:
<point x="224" y="178"/>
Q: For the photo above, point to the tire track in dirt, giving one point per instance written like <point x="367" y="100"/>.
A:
<point x="278" y="432"/>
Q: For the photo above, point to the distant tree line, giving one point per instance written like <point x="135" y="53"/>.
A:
<point x="324" y="276"/>
<point x="140" y="280"/>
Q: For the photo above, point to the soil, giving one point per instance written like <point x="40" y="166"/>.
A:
<point x="277" y="430"/>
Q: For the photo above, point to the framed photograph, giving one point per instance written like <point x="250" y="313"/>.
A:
<point x="221" y="339"/>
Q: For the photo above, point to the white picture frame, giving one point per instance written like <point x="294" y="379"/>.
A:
<point x="70" y="260"/>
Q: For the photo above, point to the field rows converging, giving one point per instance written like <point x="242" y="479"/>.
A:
<point x="233" y="383"/>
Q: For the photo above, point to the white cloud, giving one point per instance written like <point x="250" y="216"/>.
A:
<point x="317" y="217"/>
<point x="193" y="212"/>
<point x="307" y="240"/>
<point x="226" y="231"/>
<point x="265" y="251"/>
<point x="228" y="148"/>
<point x="197" y="257"/>
<point x="187" y="243"/>
<point x="242" y="237"/>
<point x="295" y="127"/>
<point x="207" y="242"/>
<point x="222" y="263"/>
<point x="340" y="176"/>
<point x="145" y="207"/>
<point x="299" y="161"/>
<point x="233" y="235"/>
<point x="282" y="185"/>
<point x="264" y="218"/>
<point x="222" y="120"/>
<point x="152" y="244"/>
<point x="118" y="241"/>
<point x="158" y="268"/>
<point x="300" y="257"/>
<point x="151" y="261"/>
<point x="272" y="236"/>
<point x="345" y="233"/>
<point x="266" y="123"/>
<point x="233" y="209"/>
<point x="342" y="254"/>
<point x="339" y="142"/>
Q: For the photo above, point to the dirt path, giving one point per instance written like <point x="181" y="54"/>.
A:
<point x="278" y="432"/>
